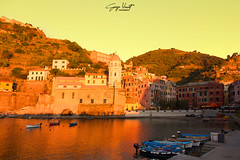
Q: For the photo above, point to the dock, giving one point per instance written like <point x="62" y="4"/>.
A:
<point x="229" y="150"/>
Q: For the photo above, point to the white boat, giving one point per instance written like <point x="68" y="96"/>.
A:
<point x="196" y="142"/>
<point x="34" y="126"/>
<point x="187" y="145"/>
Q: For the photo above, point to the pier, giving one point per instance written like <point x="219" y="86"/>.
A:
<point x="230" y="150"/>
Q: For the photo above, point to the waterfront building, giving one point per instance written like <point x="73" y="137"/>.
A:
<point x="38" y="75"/>
<point x="234" y="92"/>
<point x="96" y="57"/>
<point x="201" y="93"/>
<point x="171" y="90"/>
<point x="6" y="85"/>
<point x="91" y="94"/>
<point x="150" y="92"/>
<point x="60" y="64"/>
<point x="132" y="104"/>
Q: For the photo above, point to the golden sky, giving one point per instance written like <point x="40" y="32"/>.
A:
<point x="208" y="26"/>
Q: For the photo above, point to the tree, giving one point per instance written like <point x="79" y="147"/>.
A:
<point x="7" y="54"/>
<point x="16" y="72"/>
<point x="54" y="71"/>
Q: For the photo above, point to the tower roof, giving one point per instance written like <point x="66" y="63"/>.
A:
<point x="115" y="58"/>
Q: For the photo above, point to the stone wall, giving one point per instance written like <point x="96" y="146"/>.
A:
<point x="100" y="109"/>
<point x="10" y="101"/>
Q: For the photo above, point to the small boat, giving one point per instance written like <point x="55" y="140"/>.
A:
<point x="186" y="145"/>
<point x="157" y="150"/>
<point x="182" y="144"/>
<point x="72" y="124"/>
<point x="196" y="142"/>
<point x="34" y="126"/>
<point x="54" y="123"/>
<point x="203" y="138"/>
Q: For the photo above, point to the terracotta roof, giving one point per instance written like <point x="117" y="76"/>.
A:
<point x="69" y="78"/>
<point x="6" y="81"/>
<point x="70" y="83"/>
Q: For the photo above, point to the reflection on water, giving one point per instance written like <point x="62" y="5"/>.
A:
<point x="91" y="139"/>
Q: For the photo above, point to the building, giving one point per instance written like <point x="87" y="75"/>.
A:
<point x="171" y="90"/>
<point x="150" y="92"/>
<point x="234" y="92"/>
<point x="91" y="95"/>
<point x="202" y="93"/>
<point x="95" y="79"/>
<point x="115" y="72"/>
<point x="60" y="64"/>
<point x="38" y="75"/>
<point x="6" y="85"/>
<point x="96" y="57"/>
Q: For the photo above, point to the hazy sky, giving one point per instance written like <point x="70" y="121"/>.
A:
<point x="208" y="26"/>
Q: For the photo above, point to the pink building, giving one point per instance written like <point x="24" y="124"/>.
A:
<point x="96" y="56"/>
<point x="234" y="92"/>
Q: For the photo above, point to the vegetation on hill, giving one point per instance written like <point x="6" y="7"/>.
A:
<point x="179" y="66"/>
<point x="28" y="47"/>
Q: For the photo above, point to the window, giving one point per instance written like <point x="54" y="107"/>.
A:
<point x="179" y="95"/>
<point x="102" y="81"/>
<point x="92" y="100"/>
<point x="93" y="81"/>
<point x="200" y="93"/>
<point x="183" y="90"/>
<point x="36" y="72"/>
<point x="32" y="72"/>
<point x="63" y="61"/>
<point x="211" y="93"/>
<point x="7" y="84"/>
<point x="56" y="62"/>
<point x="187" y="95"/>
<point x="88" y="81"/>
<point x="80" y="101"/>
<point x="64" y="86"/>
<point x="62" y="66"/>
<point x="193" y="94"/>
<point x="217" y="99"/>
<point x="180" y="90"/>
<point x="75" y="86"/>
<point x="205" y="93"/>
<point x="55" y="67"/>
<point x="217" y="92"/>
<point x="183" y="95"/>
<point x="104" y="100"/>
<point x="73" y="95"/>
<point x="40" y="72"/>
<point x="217" y="87"/>
<point x="211" y="87"/>
<point x="62" y="95"/>
<point x="115" y="74"/>
<point x="128" y="90"/>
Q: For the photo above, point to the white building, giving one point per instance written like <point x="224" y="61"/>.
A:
<point x="38" y="75"/>
<point x="60" y="64"/>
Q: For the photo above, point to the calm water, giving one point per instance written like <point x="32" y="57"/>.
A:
<point x="91" y="139"/>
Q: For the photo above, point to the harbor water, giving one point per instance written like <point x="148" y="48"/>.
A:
<point x="102" y="139"/>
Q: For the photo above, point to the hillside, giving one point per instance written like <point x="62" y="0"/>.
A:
<point x="24" y="46"/>
<point x="179" y="66"/>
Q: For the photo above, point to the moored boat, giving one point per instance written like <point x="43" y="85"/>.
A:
<point x="54" y="123"/>
<point x="203" y="138"/>
<point x="186" y="145"/>
<point x="159" y="150"/>
<point x="182" y="144"/>
<point x="72" y="124"/>
<point x="34" y="126"/>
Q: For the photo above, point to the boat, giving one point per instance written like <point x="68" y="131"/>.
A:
<point x="186" y="145"/>
<point x="54" y="123"/>
<point x="182" y="144"/>
<point x="72" y="124"/>
<point x="202" y="137"/>
<point x="196" y="141"/>
<point x="34" y="126"/>
<point x="157" y="150"/>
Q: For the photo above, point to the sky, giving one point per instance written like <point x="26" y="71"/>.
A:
<point x="208" y="26"/>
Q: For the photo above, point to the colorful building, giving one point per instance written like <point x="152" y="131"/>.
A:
<point x="234" y="92"/>
<point x="96" y="57"/>
<point x="115" y="72"/>
<point x="60" y="64"/>
<point x="6" y="86"/>
<point x="202" y="93"/>
<point x="95" y="79"/>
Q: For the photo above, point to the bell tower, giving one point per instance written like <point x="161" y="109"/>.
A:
<point x="115" y="71"/>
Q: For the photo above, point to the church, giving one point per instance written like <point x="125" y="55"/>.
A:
<point x="94" y="94"/>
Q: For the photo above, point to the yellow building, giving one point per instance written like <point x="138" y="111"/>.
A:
<point x="95" y="79"/>
<point x="6" y="85"/>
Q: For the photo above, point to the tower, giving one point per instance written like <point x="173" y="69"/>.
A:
<point x="115" y="70"/>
